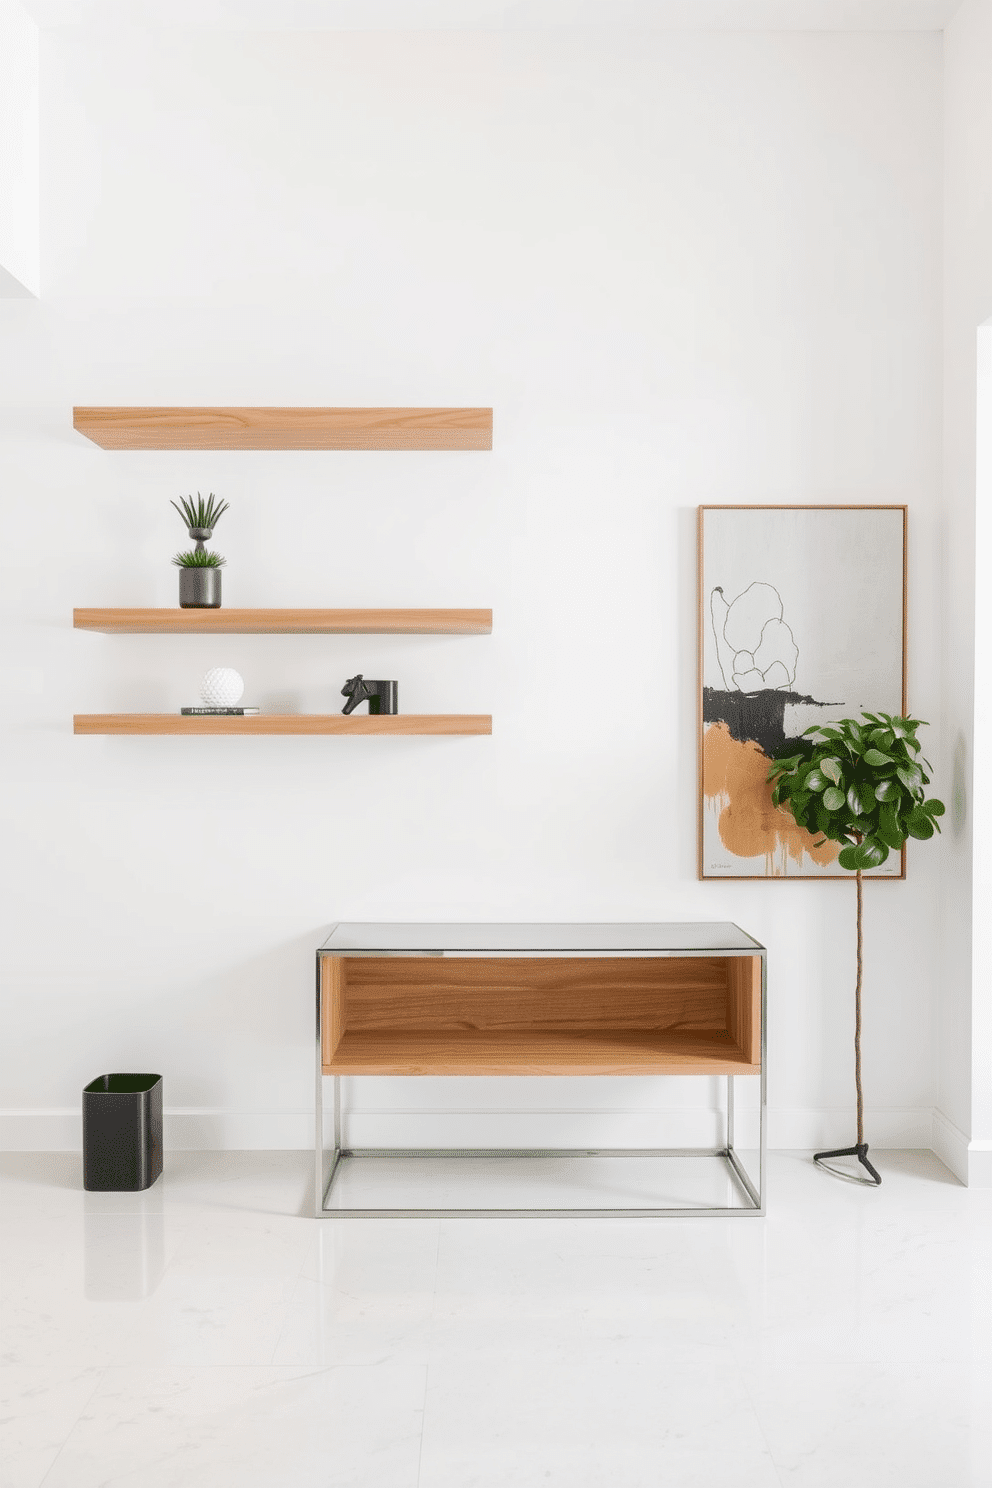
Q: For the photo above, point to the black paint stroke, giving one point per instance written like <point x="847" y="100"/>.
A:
<point x="754" y="717"/>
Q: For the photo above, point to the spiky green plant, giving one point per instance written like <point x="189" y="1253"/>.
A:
<point x="199" y="558"/>
<point x="203" y="513"/>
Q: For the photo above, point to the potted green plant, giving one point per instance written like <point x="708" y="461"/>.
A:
<point x="199" y="569"/>
<point x="860" y="782"/>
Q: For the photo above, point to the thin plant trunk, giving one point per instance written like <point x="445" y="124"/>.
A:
<point x="861" y="1150"/>
<point x="857" y="1027"/>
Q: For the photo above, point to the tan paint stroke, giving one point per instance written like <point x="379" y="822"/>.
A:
<point x="750" y="826"/>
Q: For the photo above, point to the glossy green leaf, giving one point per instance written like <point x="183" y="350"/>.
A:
<point x="833" y="799"/>
<point x="911" y="776"/>
<point x="888" y="830"/>
<point x="832" y="769"/>
<point x="876" y="757"/>
<point x="887" y="790"/>
<point x="867" y="854"/>
<point x="816" y="781"/>
<point x="873" y="852"/>
<point x="860" y="798"/>
<point x="799" y="805"/>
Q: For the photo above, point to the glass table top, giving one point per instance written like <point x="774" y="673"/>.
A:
<point x="609" y="938"/>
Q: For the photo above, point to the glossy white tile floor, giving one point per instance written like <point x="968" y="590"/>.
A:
<point x="203" y="1333"/>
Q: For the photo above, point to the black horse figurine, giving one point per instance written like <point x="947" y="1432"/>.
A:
<point x="382" y="697"/>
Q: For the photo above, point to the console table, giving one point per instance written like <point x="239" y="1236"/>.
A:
<point x="538" y="999"/>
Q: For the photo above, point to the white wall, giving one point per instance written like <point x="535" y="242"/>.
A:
<point x="965" y="1100"/>
<point x="19" y="145"/>
<point x="682" y="269"/>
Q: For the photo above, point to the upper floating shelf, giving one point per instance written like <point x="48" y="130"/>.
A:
<point x="284" y="622"/>
<point x="286" y="428"/>
<point x="384" y="724"/>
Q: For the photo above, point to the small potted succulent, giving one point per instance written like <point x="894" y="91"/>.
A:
<point x="199" y="569"/>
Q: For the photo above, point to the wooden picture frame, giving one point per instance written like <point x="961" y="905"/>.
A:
<point x="802" y="618"/>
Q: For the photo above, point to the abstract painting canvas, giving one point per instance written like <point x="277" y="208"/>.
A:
<point x="802" y="615"/>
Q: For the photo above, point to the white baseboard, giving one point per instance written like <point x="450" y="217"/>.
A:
<point x="980" y="1165"/>
<point x="211" y="1129"/>
<point x="951" y="1145"/>
<point x="971" y="1161"/>
<point x="809" y="1129"/>
<point x="185" y="1130"/>
<point x="59" y="1130"/>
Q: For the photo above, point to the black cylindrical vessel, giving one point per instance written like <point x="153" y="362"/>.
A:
<point x="122" y="1133"/>
<point x="388" y="698"/>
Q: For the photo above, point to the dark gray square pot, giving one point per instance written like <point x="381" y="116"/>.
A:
<point x="199" y="588"/>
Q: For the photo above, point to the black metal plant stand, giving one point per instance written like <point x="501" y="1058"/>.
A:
<point x="860" y="1149"/>
<point x="861" y="1153"/>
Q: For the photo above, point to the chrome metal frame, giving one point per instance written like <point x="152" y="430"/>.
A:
<point x="328" y="1162"/>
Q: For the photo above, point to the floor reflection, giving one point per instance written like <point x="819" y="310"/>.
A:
<point x="123" y="1254"/>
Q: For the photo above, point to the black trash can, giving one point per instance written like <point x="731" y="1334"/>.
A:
<point x="122" y="1132"/>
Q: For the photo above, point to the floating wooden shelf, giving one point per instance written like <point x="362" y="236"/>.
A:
<point x="283" y="723"/>
<point x="284" y="622"/>
<point x="450" y="1015"/>
<point x="286" y="428"/>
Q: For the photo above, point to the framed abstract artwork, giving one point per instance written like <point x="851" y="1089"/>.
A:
<point x="802" y="620"/>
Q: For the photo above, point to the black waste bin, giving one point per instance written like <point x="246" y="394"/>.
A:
<point x="122" y="1132"/>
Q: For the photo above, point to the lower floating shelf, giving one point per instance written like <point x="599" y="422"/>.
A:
<point x="284" y="723"/>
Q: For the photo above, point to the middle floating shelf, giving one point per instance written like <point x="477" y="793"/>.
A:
<point x="284" y="622"/>
<point x="283" y="723"/>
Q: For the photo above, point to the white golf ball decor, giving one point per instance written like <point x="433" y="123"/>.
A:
<point x="222" y="687"/>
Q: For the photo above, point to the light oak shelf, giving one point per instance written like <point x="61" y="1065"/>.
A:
<point x="284" y="622"/>
<point x="286" y="428"/>
<point x="541" y="1016"/>
<point x="557" y="1052"/>
<point x="403" y="724"/>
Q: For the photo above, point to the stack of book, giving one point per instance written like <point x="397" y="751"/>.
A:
<point x="218" y="712"/>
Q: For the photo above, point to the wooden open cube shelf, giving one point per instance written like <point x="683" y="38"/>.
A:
<point x="541" y="1015"/>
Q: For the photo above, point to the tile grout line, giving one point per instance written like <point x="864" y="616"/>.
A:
<point x="315" y="1240"/>
<point x="423" y="1421"/>
<point x="90" y="1397"/>
<point x="757" y="1414"/>
<point x="427" y="1365"/>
